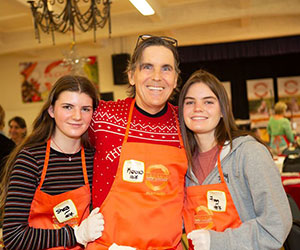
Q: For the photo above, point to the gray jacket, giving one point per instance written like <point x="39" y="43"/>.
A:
<point x="255" y="186"/>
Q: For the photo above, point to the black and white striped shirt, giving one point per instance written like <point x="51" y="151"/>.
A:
<point x="62" y="176"/>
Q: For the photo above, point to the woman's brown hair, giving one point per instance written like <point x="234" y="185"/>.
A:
<point x="226" y="129"/>
<point x="44" y="124"/>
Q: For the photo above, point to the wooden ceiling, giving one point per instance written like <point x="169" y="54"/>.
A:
<point x="190" y="21"/>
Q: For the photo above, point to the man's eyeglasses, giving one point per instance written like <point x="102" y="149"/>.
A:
<point x="170" y="40"/>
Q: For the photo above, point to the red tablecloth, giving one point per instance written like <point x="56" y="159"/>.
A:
<point x="292" y="189"/>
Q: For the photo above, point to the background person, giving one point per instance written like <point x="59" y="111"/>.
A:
<point x="235" y="199"/>
<point x="279" y="129"/>
<point x="6" y="145"/>
<point x="292" y="105"/>
<point x="47" y="177"/>
<point x="263" y="107"/>
<point x="17" y="129"/>
<point x="140" y="161"/>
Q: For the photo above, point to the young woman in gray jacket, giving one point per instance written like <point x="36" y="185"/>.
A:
<point x="234" y="195"/>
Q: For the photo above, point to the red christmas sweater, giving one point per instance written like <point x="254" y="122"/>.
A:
<point x="107" y="131"/>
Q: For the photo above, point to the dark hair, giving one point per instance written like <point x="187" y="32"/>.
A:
<point x="138" y="52"/>
<point x="20" y="121"/>
<point x="226" y="129"/>
<point x="44" y="124"/>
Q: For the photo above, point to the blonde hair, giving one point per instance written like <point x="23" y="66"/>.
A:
<point x="280" y="108"/>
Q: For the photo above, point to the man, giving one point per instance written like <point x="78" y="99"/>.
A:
<point x="140" y="162"/>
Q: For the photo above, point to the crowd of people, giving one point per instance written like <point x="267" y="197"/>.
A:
<point x="146" y="169"/>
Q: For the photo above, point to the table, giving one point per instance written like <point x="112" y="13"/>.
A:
<point x="279" y="162"/>
<point x="292" y="189"/>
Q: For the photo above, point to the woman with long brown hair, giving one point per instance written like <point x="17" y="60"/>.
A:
<point x="234" y="195"/>
<point x="46" y="182"/>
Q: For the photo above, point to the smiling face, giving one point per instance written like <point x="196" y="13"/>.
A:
<point x="16" y="132"/>
<point x="72" y="112"/>
<point x="201" y="111"/>
<point x="155" y="78"/>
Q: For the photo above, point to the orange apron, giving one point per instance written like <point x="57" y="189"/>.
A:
<point x="210" y="207"/>
<point x="144" y="206"/>
<point x="55" y="211"/>
<point x="277" y="141"/>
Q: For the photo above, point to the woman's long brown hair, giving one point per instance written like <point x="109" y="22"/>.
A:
<point x="226" y="130"/>
<point x="44" y="125"/>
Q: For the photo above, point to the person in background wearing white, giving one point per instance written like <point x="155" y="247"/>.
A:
<point x="46" y="186"/>
<point x="234" y="195"/>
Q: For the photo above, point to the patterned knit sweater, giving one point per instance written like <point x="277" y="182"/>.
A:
<point x="62" y="176"/>
<point x="107" y="131"/>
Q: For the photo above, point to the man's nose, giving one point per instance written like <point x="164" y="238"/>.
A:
<point x="156" y="74"/>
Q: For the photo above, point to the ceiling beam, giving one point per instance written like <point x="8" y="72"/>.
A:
<point x="23" y="2"/>
<point x="157" y="17"/>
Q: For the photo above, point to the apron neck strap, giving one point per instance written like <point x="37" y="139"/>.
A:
<point x="83" y="163"/>
<point x="129" y="120"/>
<point x="219" y="166"/>
<point x="177" y="125"/>
<point x="47" y="156"/>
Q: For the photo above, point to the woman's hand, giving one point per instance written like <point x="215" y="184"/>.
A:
<point x="200" y="239"/>
<point x="91" y="228"/>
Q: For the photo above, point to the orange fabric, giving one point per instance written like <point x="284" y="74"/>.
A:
<point x="210" y="207"/>
<point x="144" y="207"/>
<point x="277" y="140"/>
<point x="41" y="211"/>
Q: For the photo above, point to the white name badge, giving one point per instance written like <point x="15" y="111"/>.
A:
<point x="133" y="171"/>
<point x="216" y="201"/>
<point x="65" y="211"/>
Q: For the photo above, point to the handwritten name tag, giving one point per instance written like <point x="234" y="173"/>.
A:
<point x="65" y="211"/>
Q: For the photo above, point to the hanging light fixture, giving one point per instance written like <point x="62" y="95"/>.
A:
<point x="143" y="6"/>
<point x="64" y="15"/>
<point x="73" y="60"/>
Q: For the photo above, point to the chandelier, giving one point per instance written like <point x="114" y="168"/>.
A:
<point x="66" y="15"/>
<point x="73" y="60"/>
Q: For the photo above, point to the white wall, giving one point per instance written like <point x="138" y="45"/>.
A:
<point x="10" y="85"/>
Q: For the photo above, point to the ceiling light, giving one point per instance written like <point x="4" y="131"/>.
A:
<point x="143" y="7"/>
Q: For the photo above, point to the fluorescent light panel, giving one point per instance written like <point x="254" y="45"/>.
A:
<point x="143" y="6"/>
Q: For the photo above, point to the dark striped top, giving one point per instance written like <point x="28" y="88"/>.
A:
<point x="62" y="176"/>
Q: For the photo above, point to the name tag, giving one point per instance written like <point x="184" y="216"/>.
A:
<point x="133" y="171"/>
<point x="216" y="201"/>
<point x="65" y="211"/>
